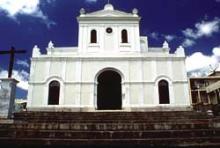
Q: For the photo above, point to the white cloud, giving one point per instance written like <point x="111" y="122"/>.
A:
<point x="25" y="7"/>
<point x="155" y="35"/>
<point x="208" y="28"/>
<point x="201" y="29"/>
<point x="190" y="33"/>
<point x="22" y="76"/>
<point x="91" y="1"/>
<point x="23" y="63"/>
<point x="216" y="51"/>
<point x="12" y="7"/>
<point x="198" y="61"/>
<point x="188" y="43"/>
<point x="50" y="1"/>
<point x="204" y="28"/>
<point x="169" y="37"/>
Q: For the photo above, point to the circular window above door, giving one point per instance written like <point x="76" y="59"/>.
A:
<point x="109" y="30"/>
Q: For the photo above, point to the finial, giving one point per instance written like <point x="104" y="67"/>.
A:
<point x="50" y="45"/>
<point x="35" y="47"/>
<point x="82" y="11"/>
<point x="108" y="1"/>
<point x="181" y="47"/>
<point x="180" y="51"/>
<point x="135" y="11"/>
<point x="109" y="7"/>
<point x="36" y="51"/>
<point x="165" y="45"/>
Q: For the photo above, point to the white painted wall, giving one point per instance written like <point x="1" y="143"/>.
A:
<point x="77" y="68"/>
<point x="109" y="42"/>
<point x="78" y="75"/>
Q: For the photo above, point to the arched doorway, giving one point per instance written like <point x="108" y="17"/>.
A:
<point x="164" y="96"/>
<point x="54" y="93"/>
<point x="109" y="94"/>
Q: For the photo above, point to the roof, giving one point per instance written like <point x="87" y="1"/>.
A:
<point x="213" y="87"/>
<point x="108" y="13"/>
<point x="205" y="78"/>
<point x="215" y="73"/>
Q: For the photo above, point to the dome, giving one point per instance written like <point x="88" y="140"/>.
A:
<point x="108" y="7"/>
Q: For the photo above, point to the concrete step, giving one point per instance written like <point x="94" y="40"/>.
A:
<point x="121" y="120"/>
<point x="68" y="134"/>
<point x="107" y="128"/>
<point x="177" y="120"/>
<point x="110" y="126"/>
<point x="108" y="117"/>
<point x="156" y="142"/>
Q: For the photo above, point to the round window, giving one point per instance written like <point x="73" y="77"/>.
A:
<point x="109" y="30"/>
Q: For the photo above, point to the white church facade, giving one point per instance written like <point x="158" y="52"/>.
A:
<point x="113" y="68"/>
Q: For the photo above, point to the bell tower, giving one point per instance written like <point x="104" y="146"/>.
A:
<point x="109" y="30"/>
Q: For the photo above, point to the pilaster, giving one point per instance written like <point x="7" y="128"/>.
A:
<point x="7" y="97"/>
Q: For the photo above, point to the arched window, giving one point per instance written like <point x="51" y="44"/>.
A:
<point x="164" y="96"/>
<point x="124" y="36"/>
<point x="93" y="36"/>
<point x="54" y="93"/>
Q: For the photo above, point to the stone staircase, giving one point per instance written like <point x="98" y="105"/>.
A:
<point x="104" y="129"/>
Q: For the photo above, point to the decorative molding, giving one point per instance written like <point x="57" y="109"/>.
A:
<point x="108" y="57"/>
<point x="125" y="82"/>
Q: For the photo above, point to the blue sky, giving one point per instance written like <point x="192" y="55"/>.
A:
<point x="194" y="24"/>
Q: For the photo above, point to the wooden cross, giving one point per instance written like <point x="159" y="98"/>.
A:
<point x="12" y="53"/>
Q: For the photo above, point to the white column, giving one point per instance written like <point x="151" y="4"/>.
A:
<point x="137" y="37"/>
<point x="30" y="95"/>
<point x="80" y="44"/>
<point x="62" y="93"/>
<point x="171" y="91"/>
<point x="126" y="102"/>
<point x="209" y="100"/>
<point x="47" y="74"/>
<point x="141" y="101"/>
<point x="79" y="79"/>
<point x="170" y="69"/>
<point x="199" y="97"/>
<point x="155" y="96"/>
<point x="30" y="87"/>
<point x="102" y="38"/>
<point x="7" y="97"/>
<point x="95" y="95"/>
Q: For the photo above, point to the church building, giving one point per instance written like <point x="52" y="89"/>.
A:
<point x="113" y="68"/>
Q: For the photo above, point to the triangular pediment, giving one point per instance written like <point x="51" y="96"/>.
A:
<point x="109" y="13"/>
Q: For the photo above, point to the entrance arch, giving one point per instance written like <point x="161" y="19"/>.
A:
<point x="109" y="90"/>
<point x="164" y="96"/>
<point x="54" y="93"/>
